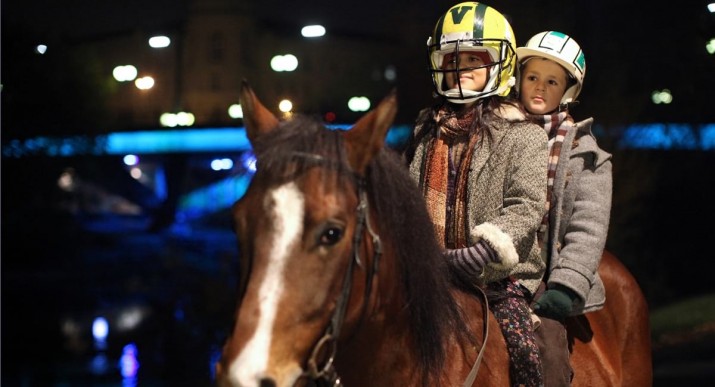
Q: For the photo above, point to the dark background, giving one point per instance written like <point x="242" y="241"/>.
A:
<point x="59" y="266"/>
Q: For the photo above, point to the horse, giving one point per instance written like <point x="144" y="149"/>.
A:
<point x="342" y="280"/>
<point x="612" y="346"/>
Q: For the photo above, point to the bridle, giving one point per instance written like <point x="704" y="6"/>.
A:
<point x="323" y="372"/>
<point x="319" y="367"/>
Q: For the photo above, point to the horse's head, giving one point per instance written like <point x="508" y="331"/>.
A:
<point x="297" y="226"/>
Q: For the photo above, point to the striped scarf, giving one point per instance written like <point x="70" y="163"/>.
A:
<point x="554" y="126"/>
<point x="446" y="192"/>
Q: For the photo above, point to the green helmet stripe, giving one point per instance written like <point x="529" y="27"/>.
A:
<point x="438" y="31"/>
<point x="580" y="61"/>
<point x="479" y="13"/>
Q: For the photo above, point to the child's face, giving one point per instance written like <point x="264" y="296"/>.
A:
<point x="543" y="83"/>
<point x="469" y="79"/>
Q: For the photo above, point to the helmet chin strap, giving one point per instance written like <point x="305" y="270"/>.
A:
<point x="509" y="84"/>
<point x="459" y="95"/>
<point x="564" y="106"/>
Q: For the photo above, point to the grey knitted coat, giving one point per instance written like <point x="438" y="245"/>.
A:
<point x="579" y="217"/>
<point x="506" y="194"/>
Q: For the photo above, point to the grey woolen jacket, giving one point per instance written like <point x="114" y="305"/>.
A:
<point x="506" y="195"/>
<point x="579" y="217"/>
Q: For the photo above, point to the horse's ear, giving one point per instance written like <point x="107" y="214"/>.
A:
<point x="365" y="139"/>
<point x="257" y="118"/>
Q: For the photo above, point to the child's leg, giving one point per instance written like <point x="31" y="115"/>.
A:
<point x="554" y="349"/>
<point x="514" y="316"/>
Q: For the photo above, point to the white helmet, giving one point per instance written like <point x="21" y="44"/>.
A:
<point x="563" y="50"/>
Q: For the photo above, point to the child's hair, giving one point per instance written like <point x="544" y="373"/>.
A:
<point x="483" y="119"/>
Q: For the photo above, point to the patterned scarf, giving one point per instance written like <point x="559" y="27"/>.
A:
<point x="446" y="192"/>
<point x="553" y="125"/>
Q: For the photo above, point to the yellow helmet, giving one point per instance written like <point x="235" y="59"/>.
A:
<point x="472" y="26"/>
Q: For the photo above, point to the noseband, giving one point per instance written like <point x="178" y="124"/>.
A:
<point x="320" y="368"/>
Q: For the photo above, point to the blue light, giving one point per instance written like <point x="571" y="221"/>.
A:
<point x="185" y="140"/>
<point x="128" y="363"/>
<point x="659" y="136"/>
<point x="248" y="160"/>
<point x="215" y="197"/>
<point x="160" y="189"/>
<point x="214" y="357"/>
<point x="233" y="139"/>
<point x="707" y="137"/>
<point x="179" y="313"/>
<point x="99" y="364"/>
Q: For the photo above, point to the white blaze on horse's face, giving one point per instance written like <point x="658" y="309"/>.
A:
<point x="286" y="208"/>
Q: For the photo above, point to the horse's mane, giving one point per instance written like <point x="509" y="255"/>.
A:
<point x="402" y="217"/>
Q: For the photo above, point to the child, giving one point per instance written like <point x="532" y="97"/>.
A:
<point x="573" y="231"/>
<point x="480" y="165"/>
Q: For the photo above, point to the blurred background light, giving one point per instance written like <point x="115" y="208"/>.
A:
<point x="224" y="164"/>
<point x="286" y="62"/>
<point x="128" y="363"/>
<point x="710" y="47"/>
<point x="168" y="119"/>
<point x="329" y="117"/>
<point x="136" y="173"/>
<point x="662" y="96"/>
<point x="235" y="111"/>
<point x="131" y="160"/>
<point x="390" y="73"/>
<point x="177" y="119"/>
<point x="359" y="104"/>
<point x="130" y="317"/>
<point x="67" y="181"/>
<point x="313" y="31"/>
<point x="125" y="73"/>
<point x="41" y="49"/>
<point x="248" y="161"/>
<point x="285" y="106"/>
<point x="185" y="119"/>
<point x="144" y="83"/>
<point x="159" y="41"/>
<point x="100" y="330"/>
<point x="99" y="364"/>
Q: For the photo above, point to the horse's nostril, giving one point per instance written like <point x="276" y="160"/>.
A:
<point x="267" y="383"/>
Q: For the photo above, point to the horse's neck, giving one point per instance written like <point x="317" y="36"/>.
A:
<point x="379" y="350"/>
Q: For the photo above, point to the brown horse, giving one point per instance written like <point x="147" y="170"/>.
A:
<point x="341" y="277"/>
<point x="612" y="346"/>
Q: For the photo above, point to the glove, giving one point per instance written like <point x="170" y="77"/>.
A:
<point x="556" y="303"/>
<point x="467" y="264"/>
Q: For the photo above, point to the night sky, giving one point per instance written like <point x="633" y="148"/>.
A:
<point x="632" y="47"/>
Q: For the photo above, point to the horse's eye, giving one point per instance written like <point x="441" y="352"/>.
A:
<point x="331" y="236"/>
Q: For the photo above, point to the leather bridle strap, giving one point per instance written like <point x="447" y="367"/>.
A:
<point x="475" y="368"/>
<point x="327" y="371"/>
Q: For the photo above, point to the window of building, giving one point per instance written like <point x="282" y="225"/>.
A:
<point x="216" y="47"/>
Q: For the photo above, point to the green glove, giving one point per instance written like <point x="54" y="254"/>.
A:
<point x="555" y="303"/>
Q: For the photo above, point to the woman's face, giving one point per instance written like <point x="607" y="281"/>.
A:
<point x="543" y="83"/>
<point x="474" y="80"/>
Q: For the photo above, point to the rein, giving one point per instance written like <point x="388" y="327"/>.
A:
<point x="475" y="368"/>
<point x="325" y="371"/>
